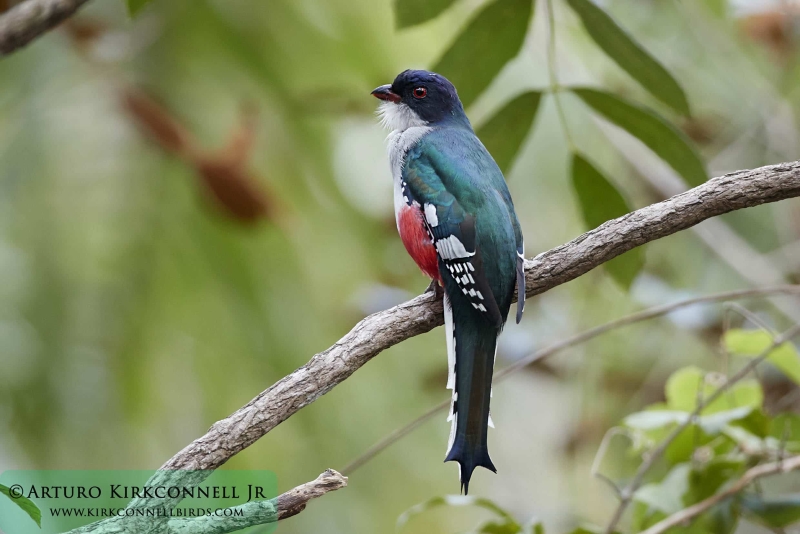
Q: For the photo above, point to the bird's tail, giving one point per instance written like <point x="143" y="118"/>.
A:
<point x="471" y="345"/>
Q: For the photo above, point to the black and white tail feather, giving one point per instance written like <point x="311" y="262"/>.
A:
<point x="471" y="354"/>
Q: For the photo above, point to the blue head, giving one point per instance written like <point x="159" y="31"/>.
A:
<point x="420" y="98"/>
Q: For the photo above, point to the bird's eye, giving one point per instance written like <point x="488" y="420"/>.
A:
<point x="420" y="92"/>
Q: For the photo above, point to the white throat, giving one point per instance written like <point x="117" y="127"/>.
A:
<point x="406" y="131"/>
<point x="399" y="117"/>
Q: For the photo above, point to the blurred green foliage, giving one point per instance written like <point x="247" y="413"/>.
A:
<point x="136" y="309"/>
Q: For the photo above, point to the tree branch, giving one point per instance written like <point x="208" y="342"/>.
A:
<point x="282" y="507"/>
<point x="751" y="475"/>
<point x="25" y="22"/>
<point x="293" y="502"/>
<point x="384" y="329"/>
<point x="727" y="193"/>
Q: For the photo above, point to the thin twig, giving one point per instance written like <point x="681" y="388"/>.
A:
<point x="683" y="516"/>
<point x="628" y="492"/>
<point x="749" y="316"/>
<point x="601" y="454"/>
<point x="650" y="313"/>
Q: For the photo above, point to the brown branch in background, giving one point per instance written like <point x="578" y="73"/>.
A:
<point x="28" y="20"/>
<point x="773" y="29"/>
<point x="224" y="175"/>
<point x="84" y="32"/>
<point x="159" y="124"/>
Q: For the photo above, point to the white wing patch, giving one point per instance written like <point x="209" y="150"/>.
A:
<point x="430" y="215"/>
<point x="451" y="248"/>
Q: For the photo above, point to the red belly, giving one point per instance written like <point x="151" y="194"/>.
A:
<point x="417" y="242"/>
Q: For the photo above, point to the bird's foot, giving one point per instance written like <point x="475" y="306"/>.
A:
<point x="435" y="288"/>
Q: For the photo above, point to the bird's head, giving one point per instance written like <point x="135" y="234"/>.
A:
<point x="419" y="98"/>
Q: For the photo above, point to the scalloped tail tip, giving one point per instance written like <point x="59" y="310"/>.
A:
<point x="466" y="467"/>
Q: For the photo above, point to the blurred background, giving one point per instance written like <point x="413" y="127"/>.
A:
<point x="195" y="201"/>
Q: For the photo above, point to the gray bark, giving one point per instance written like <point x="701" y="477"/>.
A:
<point x="25" y="22"/>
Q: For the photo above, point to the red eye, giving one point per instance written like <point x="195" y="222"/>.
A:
<point x="420" y="92"/>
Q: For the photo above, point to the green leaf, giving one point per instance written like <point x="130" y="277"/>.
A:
<point x="459" y="500"/>
<point x="504" y="133"/>
<point x="666" y="496"/>
<point x="409" y="13"/>
<point x="600" y="201"/>
<point x="716" y="422"/>
<point x="651" y="419"/>
<point x="721" y="519"/>
<point x="785" y="429"/>
<point x="756" y="423"/>
<point x="687" y="441"/>
<point x="136" y="6"/>
<point x="683" y="389"/>
<point x="749" y="441"/>
<point x="669" y="143"/>
<point x="629" y="55"/>
<point x="682" y="386"/>
<point x="712" y="424"/>
<point x="491" y="39"/>
<point x="776" y="512"/>
<point x="25" y="504"/>
<point x="755" y="342"/>
<point x="706" y="480"/>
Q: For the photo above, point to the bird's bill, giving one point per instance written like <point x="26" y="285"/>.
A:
<point x="384" y="92"/>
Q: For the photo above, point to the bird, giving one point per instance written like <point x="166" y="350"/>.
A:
<point x="456" y="219"/>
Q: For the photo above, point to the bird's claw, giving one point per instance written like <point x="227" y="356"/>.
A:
<point x="435" y="288"/>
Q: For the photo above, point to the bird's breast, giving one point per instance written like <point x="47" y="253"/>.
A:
<point x="408" y="212"/>
<point x="418" y="243"/>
